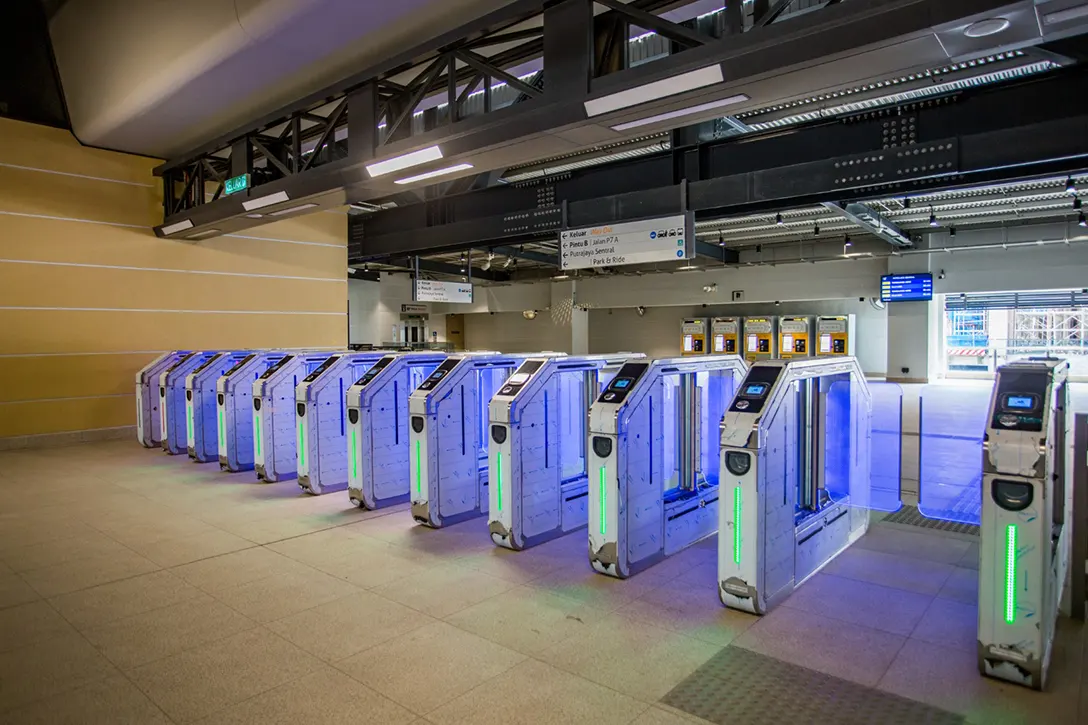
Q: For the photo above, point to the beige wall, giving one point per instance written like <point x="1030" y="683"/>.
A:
<point x="88" y="294"/>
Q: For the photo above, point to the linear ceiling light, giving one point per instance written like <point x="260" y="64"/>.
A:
<point x="431" y="174"/>
<point x="680" y="113"/>
<point x="657" y="90"/>
<point x="178" y="227"/>
<point x="292" y="210"/>
<point x="404" y="161"/>
<point x="260" y="203"/>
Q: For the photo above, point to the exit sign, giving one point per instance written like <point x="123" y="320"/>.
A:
<point x="236" y="184"/>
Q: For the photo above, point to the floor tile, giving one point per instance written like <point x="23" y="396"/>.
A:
<point x="366" y="563"/>
<point x="340" y="628"/>
<point x="282" y="594"/>
<point x="949" y="623"/>
<point x="534" y="693"/>
<point x="27" y="623"/>
<point x="230" y="570"/>
<point x="949" y="679"/>
<point x="849" y="651"/>
<point x="175" y="552"/>
<point x="202" y="681"/>
<point x="961" y="586"/>
<point x="519" y="567"/>
<point x="160" y="633"/>
<point x="643" y="662"/>
<point x="526" y="619"/>
<point x="691" y="610"/>
<point x="582" y="584"/>
<point x="444" y="590"/>
<point x="924" y="577"/>
<point x="114" y="700"/>
<point x="49" y="667"/>
<point x="60" y="551"/>
<point x="325" y="696"/>
<point x="663" y="715"/>
<point x="85" y="573"/>
<point x="14" y="591"/>
<point x="929" y="546"/>
<point x="859" y="602"/>
<point x="429" y="666"/>
<point x="109" y="602"/>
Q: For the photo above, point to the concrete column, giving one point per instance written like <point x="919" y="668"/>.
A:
<point x="913" y="342"/>
<point x="564" y="308"/>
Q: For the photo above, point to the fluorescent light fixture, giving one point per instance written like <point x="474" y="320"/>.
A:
<point x="178" y="227"/>
<point x="259" y="203"/>
<point x="254" y="216"/>
<point x="404" y="161"/>
<point x="292" y="210"/>
<point x="205" y="233"/>
<point x="1062" y="16"/>
<point x="657" y="90"/>
<point x="432" y="174"/>
<point x="680" y="113"/>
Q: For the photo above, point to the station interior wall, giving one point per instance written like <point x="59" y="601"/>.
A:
<point x="89" y="295"/>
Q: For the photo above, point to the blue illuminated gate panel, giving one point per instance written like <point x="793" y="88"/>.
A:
<point x="951" y="427"/>
<point x="887" y="446"/>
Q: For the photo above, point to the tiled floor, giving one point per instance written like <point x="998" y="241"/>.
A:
<point x="140" y="588"/>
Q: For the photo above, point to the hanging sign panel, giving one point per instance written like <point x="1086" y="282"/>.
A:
<point x="666" y="239"/>
<point x="429" y="290"/>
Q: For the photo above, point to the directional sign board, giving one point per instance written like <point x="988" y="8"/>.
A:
<point x="429" y="290"/>
<point x="666" y="239"/>
<point x="906" y="287"/>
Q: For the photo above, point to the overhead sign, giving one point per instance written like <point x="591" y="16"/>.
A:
<point x="412" y="309"/>
<point x="906" y="287"/>
<point x="235" y="184"/>
<point x="667" y="239"/>
<point x="428" y="290"/>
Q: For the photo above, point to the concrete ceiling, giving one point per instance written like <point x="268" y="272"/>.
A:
<point x="157" y="77"/>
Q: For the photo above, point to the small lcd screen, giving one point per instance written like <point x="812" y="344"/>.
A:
<point x="825" y="343"/>
<point x="787" y="342"/>
<point x="755" y="390"/>
<point x="622" y="383"/>
<point x="1021" y="402"/>
<point x="719" y="343"/>
<point x="753" y="343"/>
<point x="689" y="343"/>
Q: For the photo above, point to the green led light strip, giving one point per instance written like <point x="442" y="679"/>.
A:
<point x="419" y="471"/>
<point x="604" y="496"/>
<point x="222" y="430"/>
<point x="498" y="477"/>
<point x="302" y="445"/>
<point x="189" y="420"/>
<point x="354" y="456"/>
<point x="257" y="430"/>
<point x="736" y="524"/>
<point x="1010" y="573"/>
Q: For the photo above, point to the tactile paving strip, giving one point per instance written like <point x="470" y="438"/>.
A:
<point x="910" y="516"/>
<point x="741" y="687"/>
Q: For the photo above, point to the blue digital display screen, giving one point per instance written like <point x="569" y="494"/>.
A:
<point x="1022" y="402"/>
<point x="906" y="287"/>
<point x="755" y="390"/>
<point x="623" y="383"/>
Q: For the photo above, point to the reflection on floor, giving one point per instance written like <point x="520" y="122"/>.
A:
<point x="136" y="587"/>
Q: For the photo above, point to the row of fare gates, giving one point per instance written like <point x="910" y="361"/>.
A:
<point x="648" y="456"/>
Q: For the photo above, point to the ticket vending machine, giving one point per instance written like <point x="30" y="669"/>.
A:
<point x="321" y="404"/>
<point x="378" y="428"/>
<point x="172" y="415"/>
<point x="795" y="469"/>
<point x="835" y="336"/>
<point x="694" y="337"/>
<point x="148" y="422"/>
<point x="275" y="447"/>
<point x="725" y="335"/>
<point x="201" y="429"/>
<point x="1024" y="539"/>
<point x="234" y="401"/>
<point x="760" y="338"/>
<point x="448" y="441"/>
<point x="794" y="337"/>
<point x="537" y="455"/>
<point x="653" y="459"/>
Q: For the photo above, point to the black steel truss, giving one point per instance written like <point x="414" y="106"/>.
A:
<point x="342" y="122"/>
<point x="989" y="135"/>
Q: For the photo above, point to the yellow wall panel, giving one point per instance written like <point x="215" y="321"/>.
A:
<point x="326" y="227"/>
<point x="41" y="147"/>
<point x="54" y="240"/>
<point x="69" y="376"/>
<point x="53" y="331"/>
<point x="58" y="416"/>
<point x="32" y="192"/>
<point x="36" y="285"/>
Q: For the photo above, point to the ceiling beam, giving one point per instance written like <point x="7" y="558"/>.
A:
<point x="451" y="270"/>
<point x="871" y="221"/>
<point x="717" y="252"/>
<point x="528" y="255"/>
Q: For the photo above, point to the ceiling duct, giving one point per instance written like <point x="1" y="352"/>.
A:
<point x="872" y="222"/>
